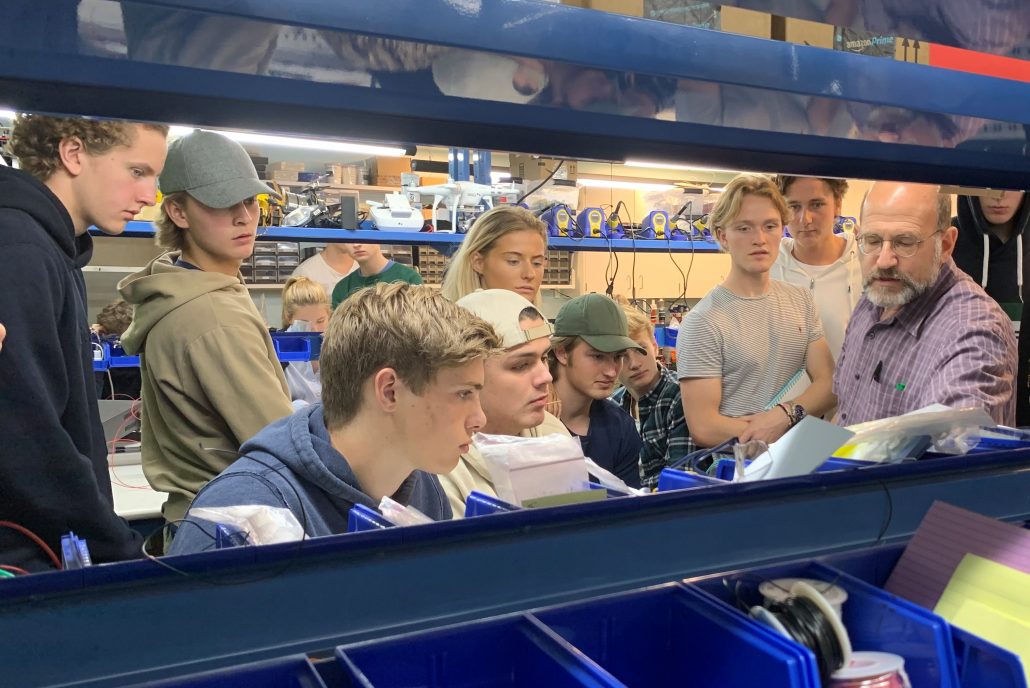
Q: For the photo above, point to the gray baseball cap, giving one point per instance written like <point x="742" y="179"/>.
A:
<point x="212" y="168"/>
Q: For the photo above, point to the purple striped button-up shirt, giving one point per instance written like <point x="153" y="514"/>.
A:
<point x="952" y="345"/>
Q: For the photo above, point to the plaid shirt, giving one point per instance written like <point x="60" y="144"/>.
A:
<point x="663" y="428"/>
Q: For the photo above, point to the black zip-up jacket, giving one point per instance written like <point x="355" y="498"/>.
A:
<point x="53" y="458"/>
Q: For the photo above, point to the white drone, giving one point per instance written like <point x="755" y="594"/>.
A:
<point x="462" y="194"/>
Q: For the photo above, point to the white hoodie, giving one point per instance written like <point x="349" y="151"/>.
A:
<point x="836" y="289"/>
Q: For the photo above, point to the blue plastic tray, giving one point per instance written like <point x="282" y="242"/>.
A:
<point x="979" y="663"/>
<point x="876" y="620"/>
<point x="516" y="652"/>
<point x="666" y="337"/>
<point x="119" y="359"/>
<point x="675" y="479"/>
<point x="724" y="467"/>
<point x="677" y="636"/>
<point x="479" y="504"/>
<point x="360" y="518"/>
<point x="297" y="346"/>
<point x="288" y="672"/>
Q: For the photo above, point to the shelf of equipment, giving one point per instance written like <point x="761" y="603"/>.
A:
<point x="146" y="230"/>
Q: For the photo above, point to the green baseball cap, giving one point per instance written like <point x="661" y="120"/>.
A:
<point x="598" y="321"/>
<point x="212" y="168"/>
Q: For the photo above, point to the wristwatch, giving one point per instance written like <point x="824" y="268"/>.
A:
<point x="795" y="413"/>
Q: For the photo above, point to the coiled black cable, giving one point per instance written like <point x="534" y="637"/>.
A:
<point x="807" y="624"/>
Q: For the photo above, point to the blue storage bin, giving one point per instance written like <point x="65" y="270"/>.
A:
<point x="876" y="620"/>
<point x="724" y="468"/>
<point x="289" y="672"/>
<point x="479" y="504"/>
<point x="981" y="663"/>
<point x="119" y="359"/>
<point x="361" y="518"/>
<point x="987" y="444"/>
<point x="978" y="662"/>
<point x="675" y="479"/>
<point x="515" y="652"/>
<point x="297" y="346"/>
<point x="666" y="337"/>
<point x="676" y="636"/>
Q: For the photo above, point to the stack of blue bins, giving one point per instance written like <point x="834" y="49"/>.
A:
<point x="689" y="633"/>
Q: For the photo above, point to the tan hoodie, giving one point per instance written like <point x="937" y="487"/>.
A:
<point x="210" y="374"/>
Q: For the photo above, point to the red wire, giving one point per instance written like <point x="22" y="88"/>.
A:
<point x="15" y="569"/>
<point x="35" y="538"/>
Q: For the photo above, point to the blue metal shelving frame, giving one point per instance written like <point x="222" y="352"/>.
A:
<point x="145" y="230"/>
<point x="43" y="69"/>
<point x="138" y="622"/>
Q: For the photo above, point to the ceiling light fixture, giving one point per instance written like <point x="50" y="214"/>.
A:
<point x="298" y="142"/>
<point x="7" y="114"/>
<point x="673" y="166"/>
<point x="615" y="184"/>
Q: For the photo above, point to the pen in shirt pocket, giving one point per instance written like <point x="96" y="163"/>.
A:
<point x="877" y="373"/>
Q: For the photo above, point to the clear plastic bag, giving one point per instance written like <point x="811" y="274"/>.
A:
<point x="524" y="468"/>
<point x="952" y="431"/>
<point x="400" y="515"/>
<point x="263" y="525"/>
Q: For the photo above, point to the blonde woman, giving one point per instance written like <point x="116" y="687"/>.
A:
<point x="305" y="309"/>
<point x="505" y="249"/>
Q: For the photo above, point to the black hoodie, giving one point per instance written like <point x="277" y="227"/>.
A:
<point x="1002" y="258"/>
<point x="53" y="458"/>
<point x="1002" y="283"/>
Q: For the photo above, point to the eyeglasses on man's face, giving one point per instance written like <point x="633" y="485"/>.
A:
<point x="903" y="245"/>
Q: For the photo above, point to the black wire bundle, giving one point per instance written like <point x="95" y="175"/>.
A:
<point x="807" y="624"/>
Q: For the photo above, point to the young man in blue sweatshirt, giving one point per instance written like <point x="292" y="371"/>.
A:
<point x="402" y="369"/>
<point x="53" y="459"/>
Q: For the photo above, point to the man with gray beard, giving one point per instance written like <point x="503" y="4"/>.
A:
<point x="923" y="332"/>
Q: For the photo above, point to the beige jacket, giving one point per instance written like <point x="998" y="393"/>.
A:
<point x="472" y="472"/>
<point x="211" y="378"/>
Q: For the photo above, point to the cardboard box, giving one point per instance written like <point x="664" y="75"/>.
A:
<point x="805" y="32"/>
<point x="531" y="167"/>
<point x="390" y="167"/>
<point x="633" y="8"/>
<point x="283" y="176"/>
<point x="911" y="50"/>
<point x="390" y="180"/>
<point x="285" y="165"/>
<point x="746" y="22"/>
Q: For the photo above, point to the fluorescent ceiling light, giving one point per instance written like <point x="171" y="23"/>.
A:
<point x="7" y="114"/>
<point x="615" y="184"/>
<point x="672" y="166"/>
<point x="298" y="142"/>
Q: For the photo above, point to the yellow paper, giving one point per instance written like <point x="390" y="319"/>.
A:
<point x="992" y="601"/>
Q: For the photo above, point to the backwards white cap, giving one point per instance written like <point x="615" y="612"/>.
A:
<point x="501" y="308"/>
